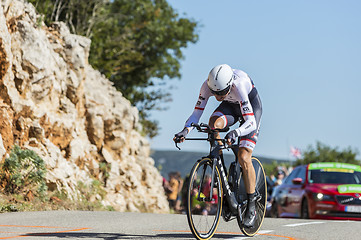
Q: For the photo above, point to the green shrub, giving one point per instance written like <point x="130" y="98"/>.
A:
<point x="23" y="171"/>
<point x="8" y="208"/>
<point x="91" y="196"/>
<point x="104" y="168"/>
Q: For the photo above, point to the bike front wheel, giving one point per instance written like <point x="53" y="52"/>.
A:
<point x="204" y="209"/>
<point x="261" y="190"/>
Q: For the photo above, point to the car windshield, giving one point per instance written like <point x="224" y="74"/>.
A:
<point x="334" y="177"/>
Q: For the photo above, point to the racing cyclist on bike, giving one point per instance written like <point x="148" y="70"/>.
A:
<point x="239" y="102"/>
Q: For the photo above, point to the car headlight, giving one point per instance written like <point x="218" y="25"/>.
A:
<point x="323" y="197"/>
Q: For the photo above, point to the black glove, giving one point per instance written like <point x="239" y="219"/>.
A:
<point x="232" y="136"/>
<point x="181" y="134"/>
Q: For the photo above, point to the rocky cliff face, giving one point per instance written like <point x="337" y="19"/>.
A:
<point x="53" y="102"/>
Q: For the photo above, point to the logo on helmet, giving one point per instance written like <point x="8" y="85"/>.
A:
<point x="218" y="73"/>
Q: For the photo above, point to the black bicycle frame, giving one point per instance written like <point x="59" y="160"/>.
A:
<point x="218" y="161"/>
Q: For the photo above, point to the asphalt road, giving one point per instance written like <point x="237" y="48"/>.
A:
<point x="117" y="225"/>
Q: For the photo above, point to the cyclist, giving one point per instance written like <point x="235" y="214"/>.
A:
<point x="239" y="102"/>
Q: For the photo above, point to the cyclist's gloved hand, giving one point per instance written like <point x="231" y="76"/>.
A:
<point x="231" y="137"/>
<point x="179" y="137"/>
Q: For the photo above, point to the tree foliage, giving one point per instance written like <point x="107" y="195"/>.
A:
<point x="323" y="153"/>
<point x="137" y="44"/>
<point x="79" y="15"/>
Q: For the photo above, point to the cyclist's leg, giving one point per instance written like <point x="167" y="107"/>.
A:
<point x="246" y="146"/>
<point x="217" y="120"/>
<point x="260" y="201"/>
<point x="249" y="178"/>
<point x="245" y="160"/>
<point x="224" y="116"/>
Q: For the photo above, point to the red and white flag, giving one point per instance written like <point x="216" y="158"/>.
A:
<point x="296" y="152"/>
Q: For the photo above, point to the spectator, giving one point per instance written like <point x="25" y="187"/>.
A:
<point x="207" y="185"/>
<point x="165" y="185"/>
<point x="184" y="191"/>
<point x="179" y="194"/>
<point x="273" y="178"/>
<point x="173" y="193"/>
<point x="280" y="176"/>
<point x="211" y="207"/>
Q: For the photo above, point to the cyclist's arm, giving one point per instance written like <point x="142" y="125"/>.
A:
<point x="202" y="100"/>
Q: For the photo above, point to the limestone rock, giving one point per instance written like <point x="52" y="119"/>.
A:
<point x="54" y="103"/>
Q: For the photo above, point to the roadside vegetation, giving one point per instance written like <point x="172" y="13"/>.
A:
<point x="23" y="187"/>
<point x="318" y="153"/>
<point x="323" y="153"/>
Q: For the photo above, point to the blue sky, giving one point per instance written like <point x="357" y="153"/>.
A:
<point x="305" y="60"/>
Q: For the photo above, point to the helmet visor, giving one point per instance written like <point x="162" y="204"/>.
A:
<point x="221" y="92"/>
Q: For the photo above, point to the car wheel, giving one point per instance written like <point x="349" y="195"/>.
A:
<point x="304" y="209"/>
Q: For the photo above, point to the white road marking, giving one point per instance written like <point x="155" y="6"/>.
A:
<point x="301" y="224"/>
<point x="265" y="231"/>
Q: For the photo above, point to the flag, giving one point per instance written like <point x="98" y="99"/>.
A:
<point x="296" y="152"/>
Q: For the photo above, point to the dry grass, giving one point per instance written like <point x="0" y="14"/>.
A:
<point x="89" y="200"/>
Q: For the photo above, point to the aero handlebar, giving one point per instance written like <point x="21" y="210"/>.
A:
<point x="205" y="128"/>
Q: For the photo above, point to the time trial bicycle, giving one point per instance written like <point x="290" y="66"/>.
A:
<point x="210" y="183"/>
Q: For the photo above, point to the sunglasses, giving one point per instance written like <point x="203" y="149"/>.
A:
<point x="221" y="92"/>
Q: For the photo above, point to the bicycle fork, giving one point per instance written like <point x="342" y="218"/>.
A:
<point x="230" y="196"/>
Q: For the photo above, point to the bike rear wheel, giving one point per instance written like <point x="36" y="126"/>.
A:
<point x="261" y="190"/>
<point x="203" y="211"/>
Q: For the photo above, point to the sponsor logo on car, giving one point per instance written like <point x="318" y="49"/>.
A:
<point x="350" y="188"/>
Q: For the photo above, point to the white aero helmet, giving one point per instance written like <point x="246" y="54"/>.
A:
<point x="220" y="79"/>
